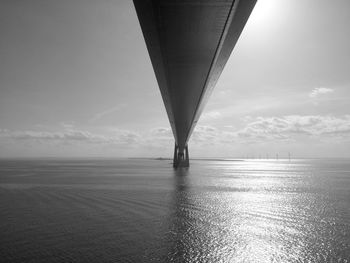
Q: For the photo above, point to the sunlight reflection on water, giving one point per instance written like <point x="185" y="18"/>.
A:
<point x="144" y="211"/>
<point x="254" y="211"/>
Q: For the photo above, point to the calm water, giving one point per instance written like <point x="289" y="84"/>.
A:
<point x="144" y="211"/>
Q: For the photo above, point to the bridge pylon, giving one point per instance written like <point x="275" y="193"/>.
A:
<point x="181" y="158"/>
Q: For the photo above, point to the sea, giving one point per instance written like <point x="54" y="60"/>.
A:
<point x="142" y="210"/>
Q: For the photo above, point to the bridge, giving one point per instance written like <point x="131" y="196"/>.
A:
<point x="189" y="43"/>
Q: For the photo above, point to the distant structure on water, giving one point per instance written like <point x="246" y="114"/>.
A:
<point x="189" y="43"/>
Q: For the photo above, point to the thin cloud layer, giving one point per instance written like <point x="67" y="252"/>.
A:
<point x="284" y="128"/>
<point x="119" y="137"/>
<point x="320" y="91"/>
<point x="255" y="131"/>
<point x="211" y="115"/>
<point x="104" y="113"/>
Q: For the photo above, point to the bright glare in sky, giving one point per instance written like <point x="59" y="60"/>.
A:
<point x="264" y="11"/>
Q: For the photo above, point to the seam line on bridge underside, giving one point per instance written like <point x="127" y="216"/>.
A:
<point x="218" y="48"/>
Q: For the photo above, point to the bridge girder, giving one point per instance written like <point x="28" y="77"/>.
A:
<point x="189" y="43"/>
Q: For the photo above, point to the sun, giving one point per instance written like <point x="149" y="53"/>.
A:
<point x="268" y="13"/>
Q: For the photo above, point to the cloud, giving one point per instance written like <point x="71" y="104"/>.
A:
<point x="285" y="128"/>
<point x="126" y="137"/>
<point x="73" y="136"/>
<point x="157" y="138"/>
<point x="162" y="132"/>
<point x="205" y="134"/>
<point x="320" y="91"/>
<point x="211" y="115"/>
<point x="290" y="127"/>
<point x="255" y="130"/>
<point x="104" y="113"/>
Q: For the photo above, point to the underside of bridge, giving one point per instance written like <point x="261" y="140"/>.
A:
<point x="189" y="43"/>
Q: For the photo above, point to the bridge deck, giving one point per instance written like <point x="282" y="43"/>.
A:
<point x="189" y="42"/>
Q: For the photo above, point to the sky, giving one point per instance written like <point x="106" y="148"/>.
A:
<point x="76" y="81"/>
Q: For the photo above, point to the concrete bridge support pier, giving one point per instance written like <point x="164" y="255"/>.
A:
<point x="181" y="158"/>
